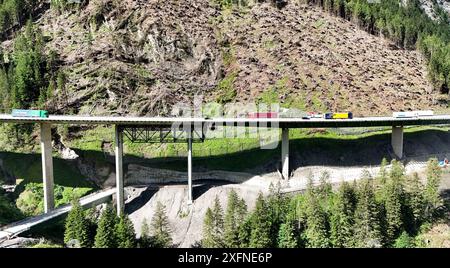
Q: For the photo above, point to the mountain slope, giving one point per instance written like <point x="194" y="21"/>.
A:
<point x="141" y="57"/>
<point x="326" y="61"/>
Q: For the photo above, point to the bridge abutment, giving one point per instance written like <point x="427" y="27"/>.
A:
<point x="397" y="141"/>
<point x="119" y="169"/>
<point x="47" y="166"/>
<point x="285" y="153"/>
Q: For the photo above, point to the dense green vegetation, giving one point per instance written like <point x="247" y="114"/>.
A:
<point x="77" y="226"/>
<point x="8" y="210"/>
<point x="14" y="13"/>
<point x="27" y="169"/>
<point x="387" y="211"/>
<point x="29" y="78"/>
<point x="406" y="25"/>
<point x="111" y="231"/>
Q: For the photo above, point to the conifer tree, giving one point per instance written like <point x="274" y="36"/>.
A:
<point x="317" y="230"/>
<point x="393" y="209"/>
<point x="245" y="230"/>
<point x="404" y="241"/>
<point x="324" y="189"/>
<point x="126" y="236"/>
<point x="208" y="240"/>
<point x="432" y="197"/>
<point x="106" y="230"/>
<point x="77" y="227"/>
<point x="367" y="222"/>
<point x="260" y="232"/>
<point x="160" y="227"/>
<point x="213" y="226"/>
<point x="383" y="173"/>
<point x="234" y="217"/>
<point x="394" y="197"/>
<point x="287" y="236"/>
<point x="415" y="201"/>
<point x="277" y="205"/>
<point x="145" y="240"/>
<point x="342" y="217"/>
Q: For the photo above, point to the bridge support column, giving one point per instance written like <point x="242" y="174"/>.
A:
<point x="285" y="153"/>
<point x="119" y="170"/>
<point x="47" y="166"/>
<point x="397" y="141"/>
<point x="190" y="197"/>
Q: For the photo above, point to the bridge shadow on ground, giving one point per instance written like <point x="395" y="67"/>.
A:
<point x="141" y="199"/>
<point x="339" y="151"/>
<point x="198" y="189"/>
<point x="23" y="168"/>
<point x="315" y="151"/>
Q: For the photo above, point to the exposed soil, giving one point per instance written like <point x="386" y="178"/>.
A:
<point x="142" y="57"/>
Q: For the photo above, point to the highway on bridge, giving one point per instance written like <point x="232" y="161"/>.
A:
<point x="281" y="122"/>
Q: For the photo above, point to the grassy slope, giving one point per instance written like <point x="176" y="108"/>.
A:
<point x="240" y="154"/>
<point x="29" y="193"/>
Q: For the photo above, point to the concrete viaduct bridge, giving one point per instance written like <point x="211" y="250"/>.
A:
<point x="163" y="128"/>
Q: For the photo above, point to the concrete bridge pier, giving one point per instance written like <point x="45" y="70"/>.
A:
<point x="119" y="170"/>
<point x="47" y="166"/>
<point x="285" y="153"/>
<point x="189" y="141"/>
<point x="397" y="141"/>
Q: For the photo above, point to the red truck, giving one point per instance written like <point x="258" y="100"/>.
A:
<point x="262" y="115"/>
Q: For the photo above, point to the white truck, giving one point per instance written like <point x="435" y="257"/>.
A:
<point x="412" y="114"/>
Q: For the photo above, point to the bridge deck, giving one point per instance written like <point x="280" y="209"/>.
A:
<point x="281" y="122"/>
<point x="16" y="228"/>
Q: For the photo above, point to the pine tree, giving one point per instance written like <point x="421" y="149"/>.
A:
<point x="342" y="217"/>
<point x="277" y="205"/>
<point x="383" y="174"/>
<point x="287" y="236"/>
<point x="397" y="171"/>
<point x="324" y="189"/>
<point x="367" y="221"/>
<point x="234" y="217"/>
<point x="208" y="240"/>
<point x="160" y="227"/>
<point x="415" y="201"/>
<point x="106" y="231"/>
<point x="432" y="197"/>
<point x="245" y="230"/>
<point x="126" y="237"/>
<point x="404" y="241"/>
<point x="213" y="226"/>
<point x="77" y="227"/>
<point x="260" y="232"/>
<point x="317" y="224"/>
<point x="393" y="202"/>
<point x="144" y="241"/>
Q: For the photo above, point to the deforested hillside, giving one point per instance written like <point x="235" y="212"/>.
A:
<point x="141" y="57"/>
